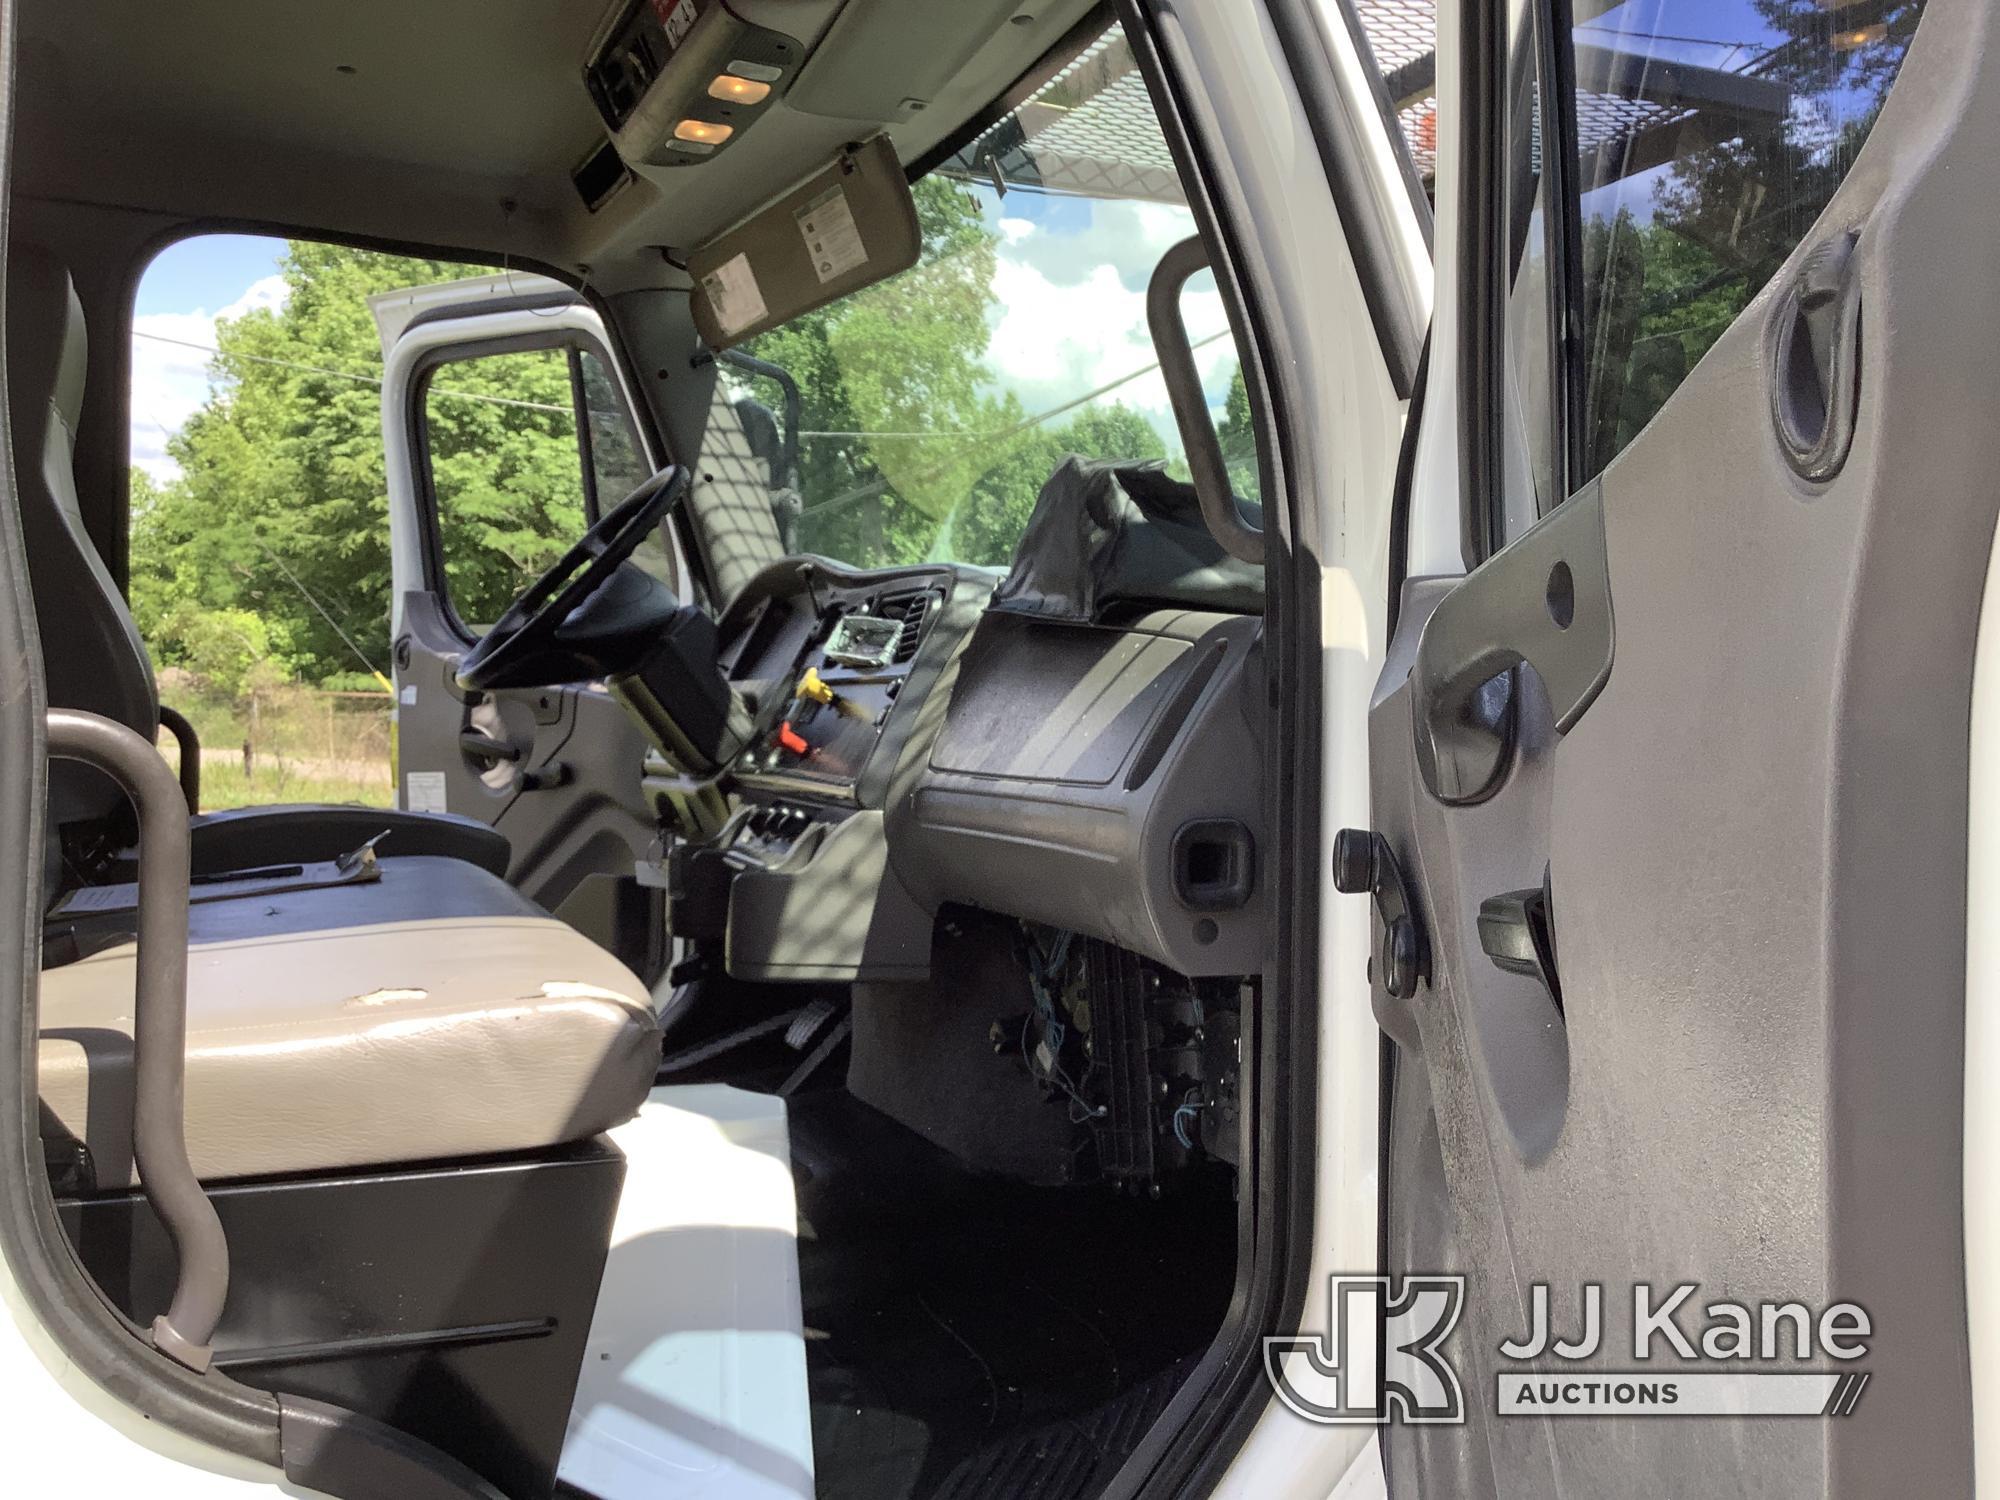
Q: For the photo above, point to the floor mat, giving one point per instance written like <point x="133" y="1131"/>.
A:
<point x="1070" y="1459"/>
<point x="964" y="1333"/>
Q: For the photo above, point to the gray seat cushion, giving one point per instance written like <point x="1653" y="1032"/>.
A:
<point x="434" y="1014"/>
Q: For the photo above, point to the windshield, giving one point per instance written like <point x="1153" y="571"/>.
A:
<point x="933" y="406"/>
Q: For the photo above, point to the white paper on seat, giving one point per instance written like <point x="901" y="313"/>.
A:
<point x="694" y="1379"/>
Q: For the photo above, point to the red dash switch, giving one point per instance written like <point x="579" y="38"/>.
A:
<point x="790" y="739"/>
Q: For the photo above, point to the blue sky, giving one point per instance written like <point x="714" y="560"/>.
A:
<point x="210" y="270"/>
<point x="187" y="287"/>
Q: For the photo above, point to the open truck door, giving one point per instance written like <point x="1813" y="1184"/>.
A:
<point x="1671" y="761"/>
<point x="557" y="770"/>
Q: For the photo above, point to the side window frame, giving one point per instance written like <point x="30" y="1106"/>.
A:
<point x="1537" y="101"/>
<point x="574" y="342"/>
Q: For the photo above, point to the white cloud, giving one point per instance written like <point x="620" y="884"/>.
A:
<point x="1013" y="231"/>
<point x="170" y="377"/>
<point x="1071" y="314"/>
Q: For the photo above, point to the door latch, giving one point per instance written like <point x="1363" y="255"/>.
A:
<point x="1517" y="931"/>
<point x="1364" y="862"/>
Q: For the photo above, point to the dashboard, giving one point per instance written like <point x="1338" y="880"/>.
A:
<point x="853" y="640"/>
<point x="918" y="749"/>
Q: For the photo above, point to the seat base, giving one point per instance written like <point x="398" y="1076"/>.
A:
<point x="450" y="1302"/>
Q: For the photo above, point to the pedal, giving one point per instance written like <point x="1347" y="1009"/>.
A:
<point x="809" y="1023"/>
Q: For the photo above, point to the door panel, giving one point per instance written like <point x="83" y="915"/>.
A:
<point x="1753" y="838"/>
<point x="569" y="802"/>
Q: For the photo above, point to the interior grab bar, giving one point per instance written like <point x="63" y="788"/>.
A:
<point x="178" y="725"/>
<point x="1177" y="368"/>
<point x="159" y="1030"/>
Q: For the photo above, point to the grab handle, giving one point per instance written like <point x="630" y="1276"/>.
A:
<point x="1177" y="368"/>
<point x="159" y="1029"/>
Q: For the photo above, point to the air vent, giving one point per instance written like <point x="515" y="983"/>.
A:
<point x="910" y="611"/>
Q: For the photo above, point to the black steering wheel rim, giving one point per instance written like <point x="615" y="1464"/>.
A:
<point x="529" y="625"/>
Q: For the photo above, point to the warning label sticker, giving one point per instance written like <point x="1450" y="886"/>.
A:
<point x="832" y="238"/>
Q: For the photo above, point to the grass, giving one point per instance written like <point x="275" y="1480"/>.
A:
<point x="301" y="746"/>
<point x="223" y="785"/>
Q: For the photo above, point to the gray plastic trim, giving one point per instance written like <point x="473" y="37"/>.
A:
<point x="1036" y="811"/>
<point x="333" y="1451"/>
<point x="1544" y="600"/>
<point x="1177" y="368"/>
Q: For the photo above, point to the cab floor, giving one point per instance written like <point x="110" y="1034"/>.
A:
<point x="967" y="1337"/>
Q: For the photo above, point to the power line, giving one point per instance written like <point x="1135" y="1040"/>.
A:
<point x="314" y="602"/>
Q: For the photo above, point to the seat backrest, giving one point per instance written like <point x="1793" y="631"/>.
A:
<point x="91" y="649"/>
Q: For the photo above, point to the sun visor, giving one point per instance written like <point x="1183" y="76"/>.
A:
<point x="847" y="227"/>
<point x="1111" y="538"/>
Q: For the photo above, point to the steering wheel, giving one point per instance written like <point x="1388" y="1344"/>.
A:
<point x="528" y="629"/>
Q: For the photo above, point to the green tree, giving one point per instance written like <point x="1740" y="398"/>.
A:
<point x="903" y="357"/>
<point x="996" y="508"/>
<point x="1730" y="210"/>
<point x="281" y="490"/>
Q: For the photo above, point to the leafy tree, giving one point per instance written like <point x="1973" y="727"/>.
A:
<point x="1236" y="435"/>
<point x="280" y="509"/>
<point x="504" y="464"/>
<point x="1728" y="212"/>
<point x="995" y="510"/>
<point x="904" y="356"/>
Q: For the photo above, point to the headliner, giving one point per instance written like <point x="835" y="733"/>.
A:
<point x="452" y="129"/>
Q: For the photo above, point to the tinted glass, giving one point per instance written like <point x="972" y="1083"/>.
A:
<point x="1708" y="136"/>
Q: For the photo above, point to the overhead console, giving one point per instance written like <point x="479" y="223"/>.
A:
<point x="679" y="81"/>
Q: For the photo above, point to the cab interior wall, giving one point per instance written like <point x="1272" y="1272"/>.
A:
<point x="936" y="1147"/>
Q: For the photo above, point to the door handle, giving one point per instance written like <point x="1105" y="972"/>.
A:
<point x="1543" y="601"/>
<point x="1816" y="360"/>
<point x="485" y="747"/>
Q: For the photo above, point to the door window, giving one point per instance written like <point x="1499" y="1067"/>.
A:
<point x="515" y="476"/>
<point x="1696" y="144"/>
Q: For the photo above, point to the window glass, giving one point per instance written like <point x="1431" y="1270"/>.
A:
<point x="617" y="460"/>
<point x="259" y="546"/>
<point x="1709" y="136"/>
<point x="507" y="473"/>
<point x="934" y="406"/>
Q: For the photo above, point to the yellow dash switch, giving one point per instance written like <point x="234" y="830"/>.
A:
<point x="811" y="687"/>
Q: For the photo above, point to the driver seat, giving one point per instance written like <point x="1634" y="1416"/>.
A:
<point x="94" y="657"/>
<point x="428" y="1013"/>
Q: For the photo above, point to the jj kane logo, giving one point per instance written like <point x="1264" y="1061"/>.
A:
<point x="1382" y="1356"/>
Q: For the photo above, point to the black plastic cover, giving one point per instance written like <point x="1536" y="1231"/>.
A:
<point x="1109" y="537"/>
